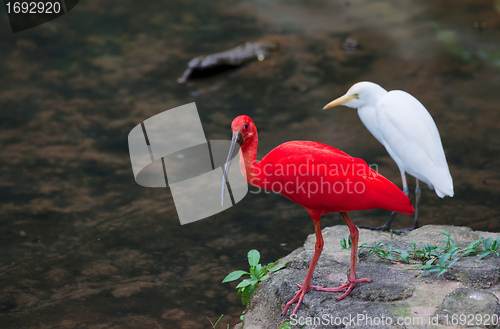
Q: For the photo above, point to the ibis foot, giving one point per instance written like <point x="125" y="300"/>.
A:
<point x="299" y="296"/>
<point x="347" y="287"/>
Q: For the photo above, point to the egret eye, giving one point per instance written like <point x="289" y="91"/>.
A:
<point x="246" y="126"/>
<point x="356" y="95"/>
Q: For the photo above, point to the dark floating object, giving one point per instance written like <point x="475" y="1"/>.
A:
<point x="218" y="62"/>
<point x="480" y="26"/>
<point x="350" y="44"/>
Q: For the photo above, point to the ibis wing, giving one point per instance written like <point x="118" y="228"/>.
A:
<point x="320" y="177"/>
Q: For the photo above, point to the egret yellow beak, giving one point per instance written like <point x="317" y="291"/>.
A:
<point x="340" y="101"/>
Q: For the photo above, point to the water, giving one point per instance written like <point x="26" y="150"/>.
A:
<point x="83" y="246"/>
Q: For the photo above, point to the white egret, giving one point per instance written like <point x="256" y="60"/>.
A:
<point x="407" y="131"/>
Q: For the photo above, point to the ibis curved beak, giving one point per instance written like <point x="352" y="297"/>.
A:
<point x="339" y="101"/>
<point x="237" y="139"/>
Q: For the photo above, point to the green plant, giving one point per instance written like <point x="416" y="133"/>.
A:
<point x="217" y="322"/>
<point x="345" y="244"/>
<point x="257" y="273"/>
<point x="490" y="246"/>
<point x="285" y="325"/>
<point x="433" y="258"/>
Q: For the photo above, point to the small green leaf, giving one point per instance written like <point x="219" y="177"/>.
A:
<point x="389" y="253"/>
<point x="234" y="276"/>
<point x="253" y="257"/>
<point x="484" y="254"/>
<point x="469" y="251"/>
<point x="488" y="242"/>
<point x="242" y="316"/>
<point x="276" y="267"/>
<point x="343" y="243"/>
<point x="404" y="255"/>
<point x="429" y="251"/>
<point x="433" y="269"/>
<point x="494" y="245"/>
<point x="443" y="259"/>
<point x="265" y="277"/>
<point x="429" y="262"/>
<point x="451" y="262"/>
<point x="258" y="270"/>
<point x="435" y="253"/>
<point x="217" y="322"/>
<point x="285" y="325"/>
<point x="246" y="293"/>
<point x="246" y="282"/>
<point x="474" y="244"/>
<point x="442" y="270"/>
<point x="446" y="233"/>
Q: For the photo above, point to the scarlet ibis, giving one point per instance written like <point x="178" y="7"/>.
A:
<point x="409" y="134"/>
<point x="320" y="178"/>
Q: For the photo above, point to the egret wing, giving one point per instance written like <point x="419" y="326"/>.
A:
<point x="412" y="139"/>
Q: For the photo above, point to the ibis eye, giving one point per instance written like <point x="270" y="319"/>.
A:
<point x="246" y="126"/>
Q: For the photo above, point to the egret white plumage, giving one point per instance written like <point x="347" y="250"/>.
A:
<point x="409" y="134"/>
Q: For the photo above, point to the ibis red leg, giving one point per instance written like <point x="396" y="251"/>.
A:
<point x="354" y="255"/>
<point x="305" y="287"/>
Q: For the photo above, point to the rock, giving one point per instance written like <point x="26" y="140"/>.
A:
<point x="475" y="273"/>
<point x="462" y="305"/>
<point x="384" y="292"/>
<point x="398" y="296"/>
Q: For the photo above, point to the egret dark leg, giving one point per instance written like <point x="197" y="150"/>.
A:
<point x="417" y="201"/>
<point x="418" y="192"/>
<point x="387" y="225"/>
<point x="354" y="255"/>
<point x="306" y="286"/>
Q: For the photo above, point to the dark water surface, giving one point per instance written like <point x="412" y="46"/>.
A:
<point x="83" y="246"/>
